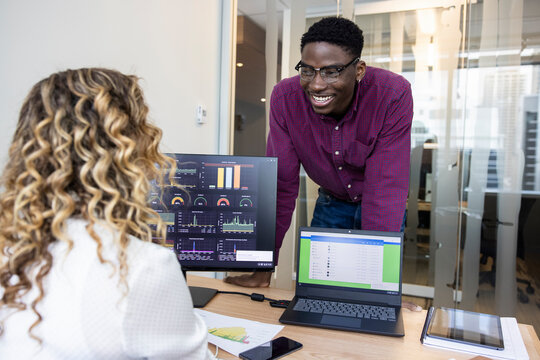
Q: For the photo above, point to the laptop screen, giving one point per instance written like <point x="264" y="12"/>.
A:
<point x="350" y="258"/>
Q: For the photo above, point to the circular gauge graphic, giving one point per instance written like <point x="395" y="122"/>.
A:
<point x="177" y="200"/>
<point x="200" y="201"/>
<point x="246" y="203"/>
<point x="223" y="202"/>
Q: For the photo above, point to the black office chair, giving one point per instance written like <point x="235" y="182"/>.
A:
<point x="488" y="244"/>
<point x="490" y="224"/>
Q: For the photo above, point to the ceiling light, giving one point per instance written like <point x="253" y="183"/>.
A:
<point x="263" y="100"/>
<point x="239" y="64"/>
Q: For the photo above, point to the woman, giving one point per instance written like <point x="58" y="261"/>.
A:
<point x="79" y="274"/>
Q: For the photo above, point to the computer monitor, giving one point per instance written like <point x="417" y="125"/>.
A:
<point x="222" y="216"/>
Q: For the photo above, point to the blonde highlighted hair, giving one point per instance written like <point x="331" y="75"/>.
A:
<point x="83" y="148"/>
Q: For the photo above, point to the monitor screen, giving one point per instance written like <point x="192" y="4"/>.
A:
<point x="353" y="259"/>
<point x="223" y="215"/>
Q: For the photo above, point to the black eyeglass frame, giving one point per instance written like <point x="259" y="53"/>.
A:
<point x="338" y="68"/>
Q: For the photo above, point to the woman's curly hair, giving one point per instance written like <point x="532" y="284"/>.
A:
<point x="83" y="148"/>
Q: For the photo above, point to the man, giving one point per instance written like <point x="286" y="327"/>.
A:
<point x="349" y="125"/>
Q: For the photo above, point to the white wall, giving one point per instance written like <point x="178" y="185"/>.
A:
<point x="173" y="45"/>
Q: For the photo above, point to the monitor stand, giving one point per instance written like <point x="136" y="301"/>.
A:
<point x="200" y="295"/>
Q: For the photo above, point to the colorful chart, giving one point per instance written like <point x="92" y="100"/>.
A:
<point x="233" y="177"/>
<point x="237" y="334"/>
<point x="196" y="223"/>
<point x="235" y="225"/>
<point x="186" y="171"/>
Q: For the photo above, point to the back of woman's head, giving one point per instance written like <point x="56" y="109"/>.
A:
<point x="82" y="148"/>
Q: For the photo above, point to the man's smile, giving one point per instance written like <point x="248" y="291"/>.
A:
<point x="321" y="100"/>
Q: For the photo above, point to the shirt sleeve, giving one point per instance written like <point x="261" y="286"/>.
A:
<point x="281" y="145"/>
<point x="159" y="322"/>
<point x="386" y="182"/>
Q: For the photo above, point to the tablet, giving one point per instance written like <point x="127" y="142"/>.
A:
<point x="466" y="327"/>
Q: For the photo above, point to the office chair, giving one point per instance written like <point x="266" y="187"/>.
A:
<point x="488" y="244"/>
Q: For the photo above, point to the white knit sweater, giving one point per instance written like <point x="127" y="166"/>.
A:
<point x="85" y="316"/>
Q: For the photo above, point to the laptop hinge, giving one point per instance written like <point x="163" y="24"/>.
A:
<point x="353" y="301"/>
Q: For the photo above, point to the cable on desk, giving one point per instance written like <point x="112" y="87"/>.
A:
<point x="253" y="296"/>
<point x="259" y="297"/>
<point x="214" y="356"/>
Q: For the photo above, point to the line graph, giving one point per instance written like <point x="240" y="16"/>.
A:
<point x="197" y="221"/>
<point x="227" y="248"/>
<point x="236" y="224"/>
<point x="186" y="171"/>
<point x="195" y="249"/>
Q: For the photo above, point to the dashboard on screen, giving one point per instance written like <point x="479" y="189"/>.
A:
<point x="222" y="215"/>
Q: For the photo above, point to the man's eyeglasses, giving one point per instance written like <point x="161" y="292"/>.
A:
<point x="329" y="74"/>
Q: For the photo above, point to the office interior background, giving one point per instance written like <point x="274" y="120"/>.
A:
<point x="473" y="229"/>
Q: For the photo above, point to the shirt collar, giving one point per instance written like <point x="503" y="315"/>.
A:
<point x="356" y="98"/>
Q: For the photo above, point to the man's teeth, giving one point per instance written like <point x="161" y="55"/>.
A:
<point x="321" y="98"/>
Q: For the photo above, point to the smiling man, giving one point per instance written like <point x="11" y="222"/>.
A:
<point x="349" y="125"/>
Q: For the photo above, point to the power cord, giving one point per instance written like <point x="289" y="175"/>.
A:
<point x="259" y="297"/>
<point x="214" y="355"/>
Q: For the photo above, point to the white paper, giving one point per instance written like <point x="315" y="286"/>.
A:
<point x="514" y="348"/>
<point x="236" y="335"/>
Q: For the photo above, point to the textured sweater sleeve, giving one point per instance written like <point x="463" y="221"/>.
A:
<point x="159" y="322"/>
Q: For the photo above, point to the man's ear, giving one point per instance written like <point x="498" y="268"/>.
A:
<point x="360" y="70"/>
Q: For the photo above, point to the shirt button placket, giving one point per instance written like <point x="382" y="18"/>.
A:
<point x="337" y="145"/>
<point x="338" y="156"/>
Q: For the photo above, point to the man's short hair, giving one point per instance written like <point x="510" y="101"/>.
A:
<point x="338" y="31"/>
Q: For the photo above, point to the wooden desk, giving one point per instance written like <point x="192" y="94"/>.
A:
<point x="333" y="344"/>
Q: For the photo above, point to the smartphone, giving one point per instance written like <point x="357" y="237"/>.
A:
<point x="272" y="350"/>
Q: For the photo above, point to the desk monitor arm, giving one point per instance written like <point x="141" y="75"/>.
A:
<point x="200" y="295"/>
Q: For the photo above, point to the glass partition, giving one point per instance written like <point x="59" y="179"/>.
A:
<point x="474" y="201"/>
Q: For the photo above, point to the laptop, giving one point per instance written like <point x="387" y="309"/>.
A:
<point x="348" y="280"/>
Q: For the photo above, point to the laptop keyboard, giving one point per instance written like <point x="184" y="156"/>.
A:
<point x="346" y="309"/>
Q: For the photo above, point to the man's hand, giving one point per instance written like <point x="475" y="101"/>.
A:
<point x="409" y="305"/>
<point x="257" y="279"/>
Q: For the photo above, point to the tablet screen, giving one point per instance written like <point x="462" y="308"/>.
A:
<point x="467" y="326"/>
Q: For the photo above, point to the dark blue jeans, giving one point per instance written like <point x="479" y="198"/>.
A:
<point x="331" y="212"/>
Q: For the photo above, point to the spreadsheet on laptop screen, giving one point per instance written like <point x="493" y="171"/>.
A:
<point x="350" y="260"/>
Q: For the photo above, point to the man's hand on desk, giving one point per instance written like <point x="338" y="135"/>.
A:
<point x="409" y="305"/>
<point x="257" y="279"/>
